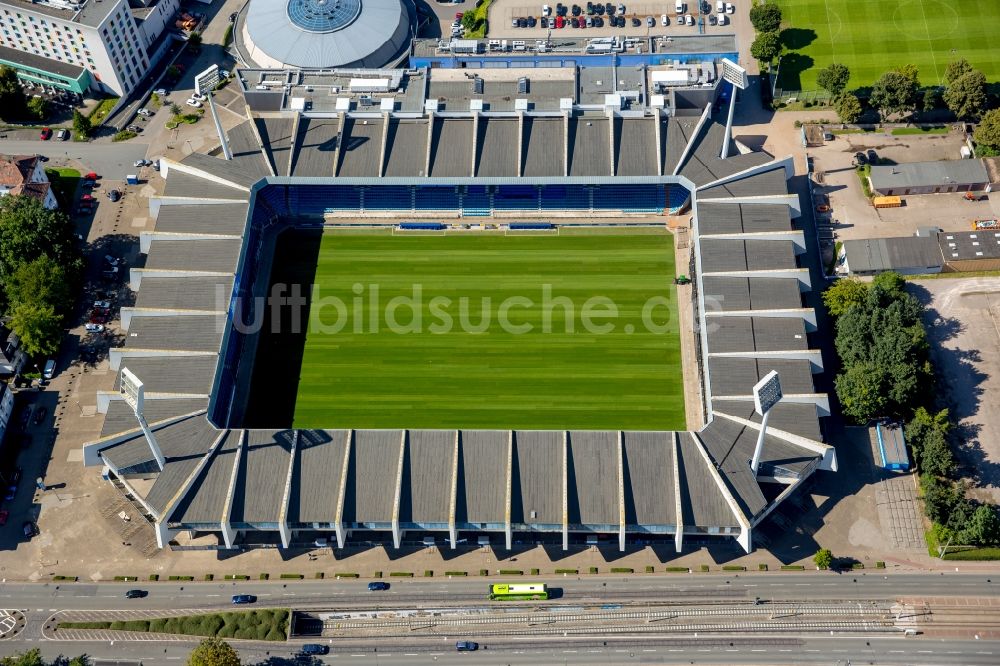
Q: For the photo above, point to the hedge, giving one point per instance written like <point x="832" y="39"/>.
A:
<point x="401" y="574"/>
<point x="484" y="572"/>
<point x="319" y="574"/>
<point x="265" y="576"/>
<point x="792" y="567"/>
<point x="734" y="567"/>
<point x="704" y="568"/>
<point x="568" y="571"/>
<point x="857" y="565"/>
<point x="288" y="576"/>
<point x="456" y="573"/>
<point x="126" y="579"/>
<point x="511" y="572"/>
<point x="236" y="577"/>
<point x="649" y="568"/>
<point x="154" y="577"/>
<point x="260" y="625"/>
<point x="880" y="565"/>
<point x="377" y="574"/>
<point x="534" y="572"/>
<point x="762" y="567"/>
<point x="348" y="574"/>
<point x="428" y="573"/>
<point x="183" y="578"/>
<point x="622" y="570"/>
<point x="593" y="570"/>
<point x="209" y="576"/>
<point x="982" y="554"/>
<point x="683" y="569"/>
<point x="71" y="579"/>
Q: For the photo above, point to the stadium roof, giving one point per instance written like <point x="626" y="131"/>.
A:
<point x="750" y="301"/>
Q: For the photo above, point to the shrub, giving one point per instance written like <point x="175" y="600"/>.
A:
<point x="823" y="558"/>
<point x="625" y="570"/>
<point x="568" y="571"/>
<point x="428" y="573"/>
<point x="236" y="577"/>
<point x="683" y="569"/>
<point x="456" y="573"/>
<point x="734" y="567"/>
<point x="401" y="574"/>
<point x="534" y="572"/>
<point x="973" y="554"/>
<point x="352" y="575"/>
<point x="792" y="567"/>
<point x="377" y="574"/>
<point x="154" y="577"/>
<point x="291" y="576"/>
<point x="511" y="572"/>
<point x="319" y="575"/>
<point x="704" y="568"/>
<point x="857" y="565"/>
<point x="880" y="565"/>
<point x="484" y="572"/>
<point x="593" y="570"/>
<point x="71" y="579"/>
<point x="649" y="568"/>
<point x="209" y="576"/>
<point x="761" y="567"/>
<point x="185" y="578"/>
<point x="265" y="576"/>
<point x="83" y="625"/>
<point x="124" y="135"/>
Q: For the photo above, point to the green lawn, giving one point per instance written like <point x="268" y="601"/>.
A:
<point x="498" y="378"/>
<point x="64" y="184"/>
<point x="876" y="35"/>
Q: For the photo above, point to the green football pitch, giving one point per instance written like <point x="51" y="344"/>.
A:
<point x="873" y="36"/>
<point x="520" y="350"/>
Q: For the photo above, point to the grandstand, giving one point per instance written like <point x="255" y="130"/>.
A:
<point x="308" y="158"/>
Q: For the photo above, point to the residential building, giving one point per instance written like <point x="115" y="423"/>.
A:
<point x="12" y="357"/>
<point x="929" y="177"/>
<point x="24" y="174"/>
<point x="83" y="45"/>
<point x="6" y="408"/>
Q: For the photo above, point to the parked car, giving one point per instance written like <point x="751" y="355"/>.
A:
<point x="378" y="586"/>
<point x="62" y="135"/>
<point x="161" y="92"/>
<point x="46" y="134"/>
<point x="664" y="20"/>
<point x="466" y="646"/>
<point x="114" y="195"/>
<point x="730" y="9"/>
<point x="244" y="598"/>
<point x="650" y="22"/>
<point x="94" y="328"/>
<point x="712" y="20"/>
<point x="136" y="594"/>
<point x="636" y="22"/>
<point x="310" y="649"/>
<point x="872" y="156"/>
<point x="29" y="529"/>
<point x="193" y="103"/>
<point x="49" y="371"/>
<point x="146" y="113"/>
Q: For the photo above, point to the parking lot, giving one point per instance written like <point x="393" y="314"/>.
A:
<point x="502" y="12"/>
<point x="963" y="317"/>
<point x="852" y="216"/>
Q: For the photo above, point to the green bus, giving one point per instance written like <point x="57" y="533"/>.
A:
<point x="519" y="592"/>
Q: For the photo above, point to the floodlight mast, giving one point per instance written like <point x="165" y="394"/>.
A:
<point x="132" y="391"/>
<point x="766" y="394"/>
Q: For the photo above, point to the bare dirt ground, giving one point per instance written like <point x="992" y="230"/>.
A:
<point x="964" y="328"/>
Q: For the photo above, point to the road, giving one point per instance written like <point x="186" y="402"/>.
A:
<point x="41" y="600"/>
<point x="113" y="161"/>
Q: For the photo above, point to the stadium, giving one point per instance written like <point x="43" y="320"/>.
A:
<point x="483" y="178"/>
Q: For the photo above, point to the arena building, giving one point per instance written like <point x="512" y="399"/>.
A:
<point x="333" y="148"/>
<point x="325" y="33"/>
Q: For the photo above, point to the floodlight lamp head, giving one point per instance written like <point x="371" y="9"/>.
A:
<point x="131" y="390"/>
<point x="767" y="393"/>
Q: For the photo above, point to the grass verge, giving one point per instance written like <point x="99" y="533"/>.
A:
<point x="259" y="625"/>
<point x="64" y="184"/>
<point x="102" y="110"/>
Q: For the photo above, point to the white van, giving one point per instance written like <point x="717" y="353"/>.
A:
<point x="720" y="7"/>
<point x="49" y="371"/>
<point x="730" y="8"/>
<point x="723" y="19"/>
<point x="680" y="7"/>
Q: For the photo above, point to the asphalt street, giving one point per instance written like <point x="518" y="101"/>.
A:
<point x="41" y="600"/>
<point x="113" y="161"/>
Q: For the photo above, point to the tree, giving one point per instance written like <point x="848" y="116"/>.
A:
<point x="823" y="558"/>
<point x="834" y="78"/>
<point x="919" y="428"/>
<point x="194" y="41"/>
<point x="956" y="70"/>
<point x="932" y="99"/>
<point x="469" y="20"/>
<point x="29" y="230"/>
<point x="982" y="528"/>
<point x="862" y="391"/>
<point x="842" y="294"/>
<point x="12" y="101"/>
<point x="848" y="108"/>
<point x="935" y="454"/>
<point x="82" y="660"/>
<point x="174" y="109"/>
<point x="942" y="499"/>
<point x="988" y="131"/>
<point x="40" y="280"/>
<point x="910" y="72"/>
<point x="766" y="47"/>
<point x="214" y="652"/>
<point x="38" y="108"/>
<point x="30" y="658"/>
<point x="889" y="285"/>
<point x="173" y="73"/>
<point x="894" y="93"/>
<point x="966" y="95"/>
<point x="765" y="18"/>
<point x="81" y="124"/>
<point x="38" y="326"/>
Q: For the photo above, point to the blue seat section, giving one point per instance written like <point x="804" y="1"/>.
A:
<point x="515" y="197"/>
<point x="565" y="197"/>
<point x="436" y="198"/>
<point x="677" y="197"/>
<point x="530" y="226"/>
<point x="476" y="201"/>
<point x="631" y="198"/>
<point x="389" y="197"/>
<point x="275" y="197"/>
<point x="320" y="199"/>
<point x="422" y="226"/>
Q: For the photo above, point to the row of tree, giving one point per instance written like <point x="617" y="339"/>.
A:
<point x="898" y="92"/>
<point x="39" y="261"/>
<point x="886" y="372"/>
<point x="14" y="104"/>
<point x="210" y="652"/>
<point x="766" y="20"/>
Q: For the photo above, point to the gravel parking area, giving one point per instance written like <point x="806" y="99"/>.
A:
<point x="963" y="317"/>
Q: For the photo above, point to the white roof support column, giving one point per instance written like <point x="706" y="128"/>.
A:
<point x="283" y="527"/>
<point x="385" y="139"/>
<point x="342" y="495"/>
<point x="678" y="497"/>
<point x="508" y="530"/>
<point x="342" y="117"/>
<point x="565" y="491"/>
<point x="475" y="142"/>
<point x="397" y="535"/>
<point x="291" y="150"/>
<point x="611" y="142"/>
<point x="621" y="491"/>
<point x="162" y="533"/>
<point x="430" y="143"/>
<point x="452" y="528"/>
<point x="657" y="129"/>
<point x="520" y="146"/>
<point x="228" y="533"/>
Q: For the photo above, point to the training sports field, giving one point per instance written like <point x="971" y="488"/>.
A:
<point x="873" y="36"/>
<point x="440" y="375"/>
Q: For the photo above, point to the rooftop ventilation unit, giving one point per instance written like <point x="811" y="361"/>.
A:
<point x="522" y="86"/>
<point x="477" y="86"/>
